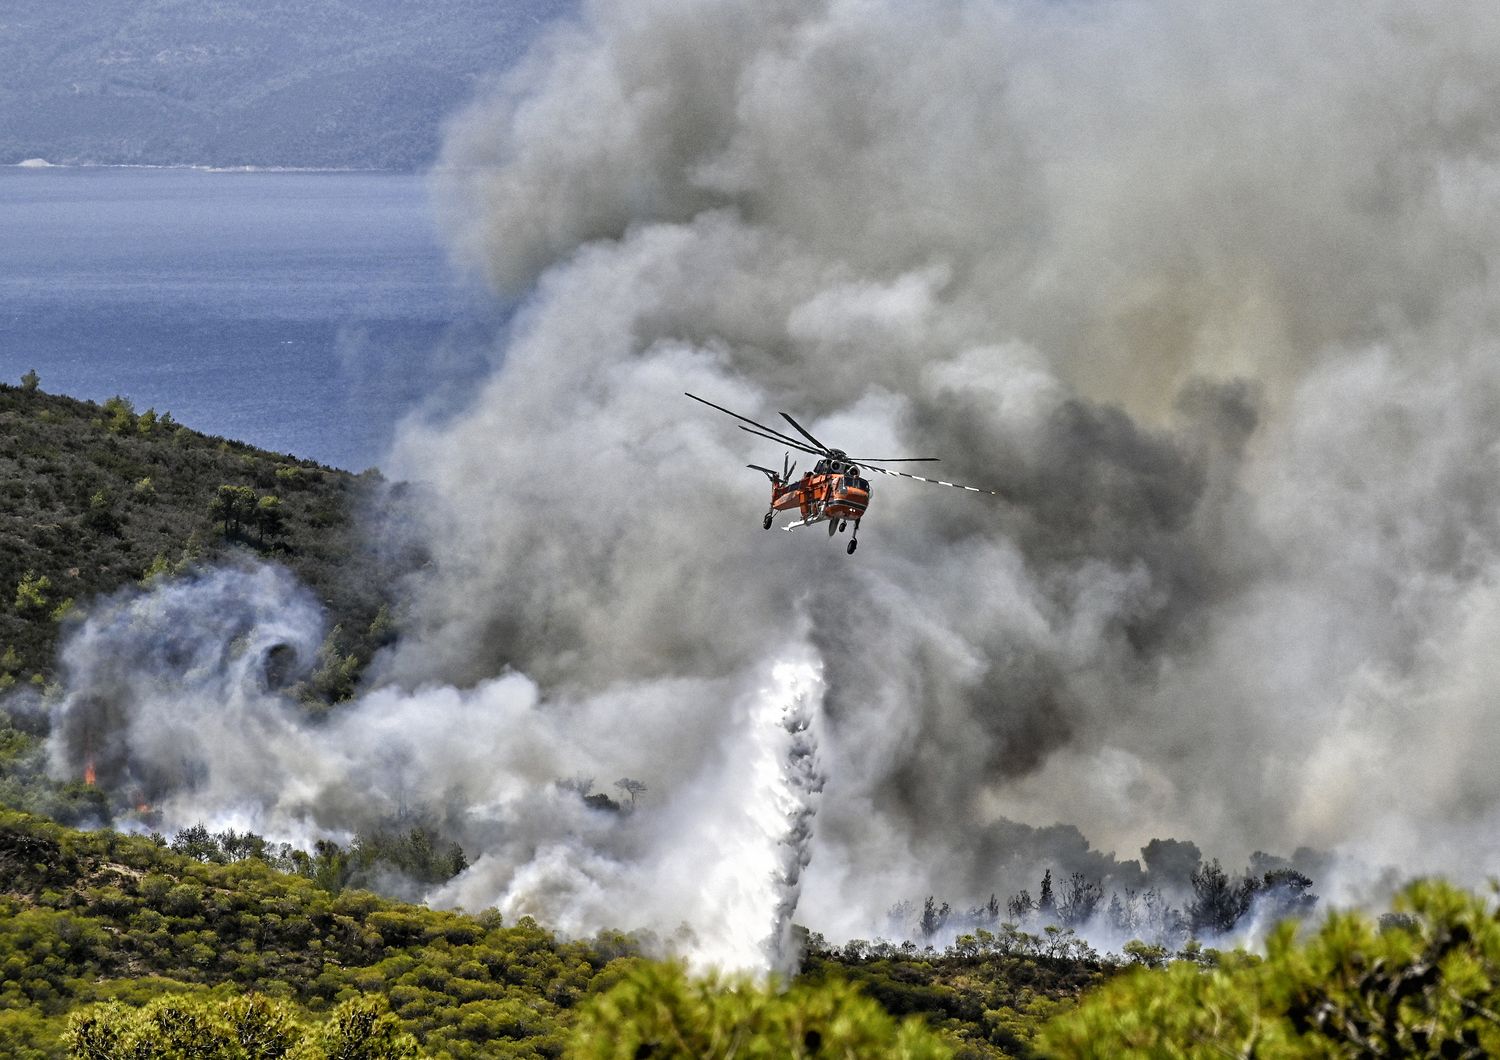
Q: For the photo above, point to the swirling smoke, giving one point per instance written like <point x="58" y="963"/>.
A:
<point x="1206" y="289"/>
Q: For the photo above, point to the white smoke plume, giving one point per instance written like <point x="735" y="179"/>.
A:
<point x="1206" y="289"/>
<point x="173" y="701"/>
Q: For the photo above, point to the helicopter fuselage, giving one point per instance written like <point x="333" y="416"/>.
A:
<point x="820" y="497"/>
<point x="832" y="490"/>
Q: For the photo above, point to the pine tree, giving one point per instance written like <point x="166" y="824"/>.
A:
<point x="1046" y="904"/>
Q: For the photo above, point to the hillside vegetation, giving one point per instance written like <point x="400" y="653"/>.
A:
<point x="221" y="945"/>
<point x="109" y="941"/>
<point x="101" y="499"/>
<point x="89" y="918"/>
<point x="94" y="498"/>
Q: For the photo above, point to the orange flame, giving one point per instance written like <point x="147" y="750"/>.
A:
<point x="88" y="772"/>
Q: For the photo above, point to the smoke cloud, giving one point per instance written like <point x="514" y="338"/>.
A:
<point x="173" y="701"/>
<point x="1206" y="290"/>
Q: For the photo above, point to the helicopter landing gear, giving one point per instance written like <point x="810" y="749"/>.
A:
<point x="765" y="524"/>
<point x="853" y="539"/>
<point x="842" y="524"/>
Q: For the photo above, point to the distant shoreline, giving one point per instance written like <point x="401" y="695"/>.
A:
<point x="42" y="163"/>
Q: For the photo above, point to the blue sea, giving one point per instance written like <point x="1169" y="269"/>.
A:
<point x="302" y="312"/>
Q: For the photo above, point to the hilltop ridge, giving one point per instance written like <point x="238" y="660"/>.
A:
<point x="97" y="497"/>
<point x="361" y="84"/>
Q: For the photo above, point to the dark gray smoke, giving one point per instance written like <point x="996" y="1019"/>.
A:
<point x="1204" y="289"/>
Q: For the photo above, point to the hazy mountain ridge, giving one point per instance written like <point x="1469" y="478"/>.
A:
<point x="359" y="84"/>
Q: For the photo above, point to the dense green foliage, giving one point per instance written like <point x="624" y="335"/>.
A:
<point x="98" y="917"/>
<point x="414" y="852"/>
<point x="990" y="992"/>
<point x="248" y="1027"/>
<point x="657" y="1011"/>
<point x="1423" y="982"/>
<point x="91" y="917"/>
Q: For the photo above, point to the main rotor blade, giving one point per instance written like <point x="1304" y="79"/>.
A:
<point x="782" y="441"/>
<point x="779" y="436"/>
<point x="757" y="467"/>
<point x="805" y="432"/>
<point x="895" y="460"/>
<point x="934" y="481"/>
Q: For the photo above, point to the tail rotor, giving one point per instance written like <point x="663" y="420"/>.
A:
<point x="777" y="480"/>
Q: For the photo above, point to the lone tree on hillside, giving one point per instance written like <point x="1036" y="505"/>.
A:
<point x="1285" y="893"/>
<point x="30" y="381"/>
<point x="631" y="788"/>
<point x="1079" y="901"/>
<point x="270" y="520"/>
<point x="934" y="916"/>
<point x="121" y="415"/>
<point x="1046" y="904"/>
<point x="1218" y="901"/>
<point x="233" y="506"/>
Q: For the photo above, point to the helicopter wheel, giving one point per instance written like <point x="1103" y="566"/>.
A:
<point x="853" y="544"/>
<point x="842" y="524"/>
<point x="766" y="522"/>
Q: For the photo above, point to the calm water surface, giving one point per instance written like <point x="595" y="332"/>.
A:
<point x="303" y="312"/>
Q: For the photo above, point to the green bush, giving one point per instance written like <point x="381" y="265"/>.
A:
<point x="656" y="1010"/>
<point x="31" y="592"/>
<point x="121" y="414"/>
<point x="249" y="1027"/>
<point x="1423" y="984"/>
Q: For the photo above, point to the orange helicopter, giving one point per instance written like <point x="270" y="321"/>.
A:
<point x="833" y="491"/>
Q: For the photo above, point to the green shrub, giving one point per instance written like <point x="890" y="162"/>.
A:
<point x="120" y="415"/>
<point x="1426" y="986"/>
<point x="249" y="1027"/>
<point x="31" y="592"/>
<point x="658" y="1011"/>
